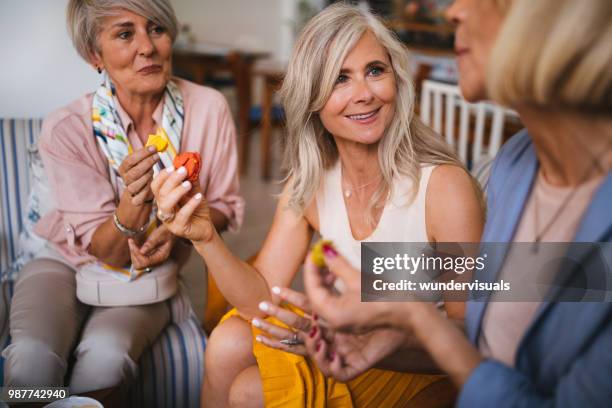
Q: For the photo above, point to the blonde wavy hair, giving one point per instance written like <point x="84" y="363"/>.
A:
<point x="313" y="69"/>
<point x="554" y="54"/>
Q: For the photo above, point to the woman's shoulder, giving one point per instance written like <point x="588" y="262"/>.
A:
<point x="516" y="155"/>
<point x="200" y="97"/>
<point x="68" y="121"/>
<point x="454" y="205"/>
<point x="430" y="177"/>
<point x="448" y="179"/>
<point x="516" y="149"/>
<point x="451" y="188"/>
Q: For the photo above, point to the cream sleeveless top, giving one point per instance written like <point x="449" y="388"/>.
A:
<point x="400" y="221"/>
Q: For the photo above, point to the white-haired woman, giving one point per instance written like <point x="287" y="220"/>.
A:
<point x="361" y="167"/>
<point x="550" y="60"/>
<point x="100" y="174"/>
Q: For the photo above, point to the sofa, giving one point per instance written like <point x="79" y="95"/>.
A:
<point x="172" y="369"/>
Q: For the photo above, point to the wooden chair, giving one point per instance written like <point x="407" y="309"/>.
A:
<point x="272" y="73"/>
<point x="476" y="130"/>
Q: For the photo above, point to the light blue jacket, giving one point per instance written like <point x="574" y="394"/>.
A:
<point x="565" y="357"/>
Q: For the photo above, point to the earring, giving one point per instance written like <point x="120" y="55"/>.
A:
<point x="99" y="70"/>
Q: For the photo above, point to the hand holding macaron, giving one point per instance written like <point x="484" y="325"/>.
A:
<point x="181" y="205"/>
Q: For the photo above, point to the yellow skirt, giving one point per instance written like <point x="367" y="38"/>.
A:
<point x="293" y="381"/>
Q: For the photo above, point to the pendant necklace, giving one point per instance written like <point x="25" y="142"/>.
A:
<point x="348" y="192"/>
<point x="540" y="234"/>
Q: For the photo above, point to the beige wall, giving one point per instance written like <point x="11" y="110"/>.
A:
<point x="40" y="71"/>
<point x="260" y="24"/>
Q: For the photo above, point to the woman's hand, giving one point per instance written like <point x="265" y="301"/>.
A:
<point x="155" y="250"/>
<point x="448" y="347"/>
<point x="181" y="206"/>
<point x="345" y="356"/>
<point x="342" y="355"/>
<point x="342" y="311"/>
<point x="300" y="327"/>
<point x="136" y="170"/>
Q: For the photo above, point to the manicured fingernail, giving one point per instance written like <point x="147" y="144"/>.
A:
<point x="198" y="196"/>
<point x="332" y="355"/>
<point x="259" y="339"/>
<point x="256" y="323"/>
<point x="329" y="251"/>
<point x="313" y="331"/>
<point x="264" y="307"/>
<point x="169" y="169"/>
<point x="186" y="184"/>
<point x="152" y="149"/>
<point x="182" y="170"/>
<point x="276" y="290"/>
<point x="318" y="346"/>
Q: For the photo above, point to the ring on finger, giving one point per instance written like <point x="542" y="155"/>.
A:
<point x="163" y="217"/>
<point x="293" y="341"/>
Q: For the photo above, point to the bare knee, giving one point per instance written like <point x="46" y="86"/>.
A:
<point x="230" y="347"/>
<point x="246" y="390"/>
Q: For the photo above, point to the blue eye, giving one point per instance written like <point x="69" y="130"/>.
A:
<point x="341" y="79"/>
<point x="375" y="71"/>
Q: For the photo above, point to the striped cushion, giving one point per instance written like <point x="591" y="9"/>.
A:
<point x="17" y="137"/>
<point x="171" y="371"/>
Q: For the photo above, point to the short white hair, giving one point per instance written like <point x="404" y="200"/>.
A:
<point x="83" y="19"/>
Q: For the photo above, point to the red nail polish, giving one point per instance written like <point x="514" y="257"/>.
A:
<point x="329" y="251"/>
<point x="313" y="331"/>
<point x="315" y="317"/>
<point x="332" y="355"/>
<point x="318" y="346"/>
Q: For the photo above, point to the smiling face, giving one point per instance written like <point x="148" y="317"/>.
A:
<point x="478" y="23"/>
<point x="362" y="102"/>
<point x="135" y="52"/>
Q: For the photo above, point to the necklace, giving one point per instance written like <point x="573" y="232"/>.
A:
<point x="348" y="192"/>
<point x="540" y="234"/>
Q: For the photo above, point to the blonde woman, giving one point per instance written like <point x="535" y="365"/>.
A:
<point x="361" y="167"/>
<point x="550" y="60"/>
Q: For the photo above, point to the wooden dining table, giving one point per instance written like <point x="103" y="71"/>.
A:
<point x="198" y="60"/>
